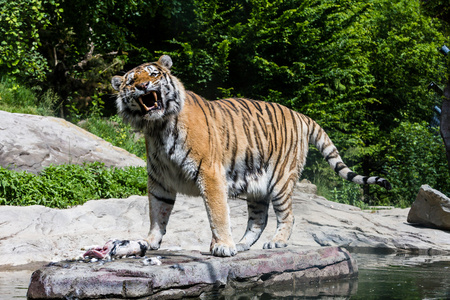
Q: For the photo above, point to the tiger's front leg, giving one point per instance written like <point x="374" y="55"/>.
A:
<point x="160" y="208"/>
<point x="215" y="198"/>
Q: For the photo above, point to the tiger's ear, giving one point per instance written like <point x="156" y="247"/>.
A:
<point x="165" y="61"/>
<point x="116" y="81"/>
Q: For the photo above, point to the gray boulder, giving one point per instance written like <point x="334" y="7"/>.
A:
<point x="30" y="143"/>
<point x="431" y="208"/>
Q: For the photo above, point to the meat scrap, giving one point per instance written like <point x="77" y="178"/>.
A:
<point x="118" y="249"/>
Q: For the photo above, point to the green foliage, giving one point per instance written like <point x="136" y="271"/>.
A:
<point x="438" y="9"/>
<point x="69" y="185"/>
<point x="18" y="98"/>
<point x="359" y="68"/>
<point x="117" y="133"/>
<point x="415" y="156"/>
<point x="348" y="193"/>
<point x="20" y="23"/>
<point x="329" y="184"/>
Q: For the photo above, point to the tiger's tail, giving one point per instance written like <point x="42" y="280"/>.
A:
<point x="322" y="141"/>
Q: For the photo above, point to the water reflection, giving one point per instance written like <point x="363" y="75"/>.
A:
<point x="14" y="284"/>
<point x="381" y="276"/>
<point x="403" y="277"/>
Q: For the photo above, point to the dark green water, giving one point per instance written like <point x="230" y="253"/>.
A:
<point x="380" y="276"/>
<point x="403" y="277"/>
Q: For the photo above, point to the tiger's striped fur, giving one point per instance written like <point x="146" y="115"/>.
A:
<point x="217" y="149"/>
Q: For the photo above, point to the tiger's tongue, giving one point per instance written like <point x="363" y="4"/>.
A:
<point x="155" y="105"/>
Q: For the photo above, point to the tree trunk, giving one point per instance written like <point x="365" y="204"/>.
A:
<point x="445" y="121"/>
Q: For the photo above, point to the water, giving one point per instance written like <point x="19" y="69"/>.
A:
<point x="381" y="276"/>
<point x="14" y="284"/>
<point x="403" y="277"/>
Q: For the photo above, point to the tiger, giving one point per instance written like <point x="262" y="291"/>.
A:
<point x="219" y="150"/>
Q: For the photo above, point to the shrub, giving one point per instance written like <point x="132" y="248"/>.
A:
<point x="18" y="98"/>
<point x="64" y="186"/>
<point x="415" y="156"/>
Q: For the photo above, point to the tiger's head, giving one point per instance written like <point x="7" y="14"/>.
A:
<point x="148" y="93"/>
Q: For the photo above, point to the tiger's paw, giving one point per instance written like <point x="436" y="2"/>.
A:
<point x="220" y="249"/>
<point x="242" y="247"/>
<point x="274" y="244"/>
<point x="154" y="243"/>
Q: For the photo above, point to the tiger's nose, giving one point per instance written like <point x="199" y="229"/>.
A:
<point x="141" y="86"/>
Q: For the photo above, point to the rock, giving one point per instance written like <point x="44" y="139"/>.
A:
<point x="30" y="143"/>
<point x="305" y="186"/>
<point x="431" y="208"/>
<point x="190" y="274"/>
<point x="36" y="233"/>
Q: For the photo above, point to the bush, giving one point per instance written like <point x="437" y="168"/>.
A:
<point x="415" y="156"/>
<point x="18" y="98"/>
<point x="64" y="186"/>
<point x="329" y="184"/>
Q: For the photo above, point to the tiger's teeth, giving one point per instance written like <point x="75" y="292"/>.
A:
<point x="156" y="98"/>
<point x="142" y="103"/>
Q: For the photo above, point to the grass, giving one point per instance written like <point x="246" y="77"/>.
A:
<point x="64" y="186"/>
<point x="116" y="132"/>
<point x="17" y="98"/>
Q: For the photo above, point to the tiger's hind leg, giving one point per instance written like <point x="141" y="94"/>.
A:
<point x="257" y="221"/>
<point x="282" y="205"/>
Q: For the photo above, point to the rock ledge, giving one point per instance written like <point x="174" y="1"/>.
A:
<point x="190" y="274"/>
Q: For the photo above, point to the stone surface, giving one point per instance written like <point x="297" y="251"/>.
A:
<point x="36" y="233"/>
<point x="431" y="208"/>
<point x="30" y="143"/>
<point x="190" y="273"/>
<point x="305" y="186"/>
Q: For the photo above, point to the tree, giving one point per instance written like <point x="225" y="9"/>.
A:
<point x="359" y="68"/>
<point x="440" y="9"/>
<point x="21" y="22"/>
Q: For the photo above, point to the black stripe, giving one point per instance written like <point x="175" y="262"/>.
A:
<point x="183" y="161"/>
<point x="249" y="160"/>
<point x="339" y="167"/>
<point x="351" y="175"/>
<point x="246" y="122"/>
<point x="263" y="125"/>
<point x="165" y="200"/>
<point x="154" y="181"/>
<point x="256" y="104"/>
<point x="229" y="104"/>
<point x="244" y="103"/>
<point x="294" y="122"/>
<point x="333" y="154"/>
<point x="198" y="171"/>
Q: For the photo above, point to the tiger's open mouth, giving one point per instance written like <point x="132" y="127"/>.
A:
<point x="149" y="102"/>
